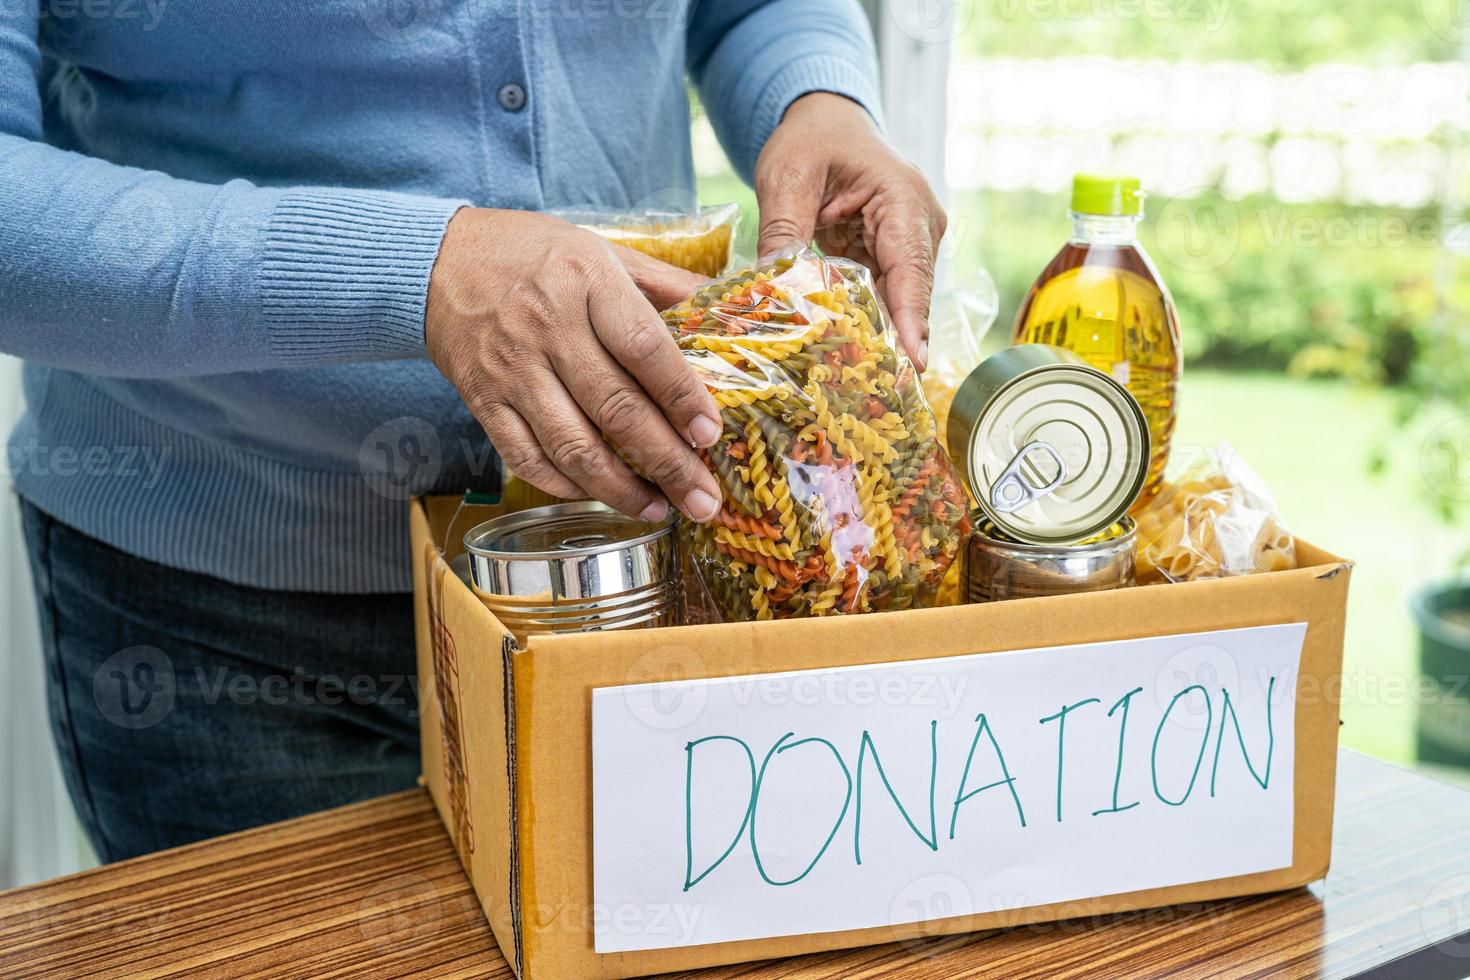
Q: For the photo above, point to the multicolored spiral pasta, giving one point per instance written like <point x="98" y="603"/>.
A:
<point x="838" y="498"/>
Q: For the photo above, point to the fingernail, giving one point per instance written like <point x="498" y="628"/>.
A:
<point x="700" y="506"/>
<point x="923" y="354"/>
<point x="654" y="512"/>
<point x="705" y="431"/>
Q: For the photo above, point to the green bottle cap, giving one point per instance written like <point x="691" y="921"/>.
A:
<point x="1098" y="194"/>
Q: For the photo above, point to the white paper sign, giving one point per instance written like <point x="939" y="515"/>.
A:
<point x="823" y="800"/>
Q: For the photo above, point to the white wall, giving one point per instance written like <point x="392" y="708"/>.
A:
<point x="914" y="38"/>
<point x="39" y="836"/>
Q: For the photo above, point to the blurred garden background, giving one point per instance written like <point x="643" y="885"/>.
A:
<point x="1306" y="164"/>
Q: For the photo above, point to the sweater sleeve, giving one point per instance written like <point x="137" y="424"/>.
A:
<point x="750" y="59"/>
<point x="118" y="271"/>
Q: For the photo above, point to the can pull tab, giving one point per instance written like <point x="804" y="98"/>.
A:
<point x="1024" y="478"/>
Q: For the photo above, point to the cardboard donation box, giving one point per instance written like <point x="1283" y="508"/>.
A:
<point x="634" y="802"/>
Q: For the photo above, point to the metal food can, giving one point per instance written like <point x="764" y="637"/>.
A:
<point x="996" y="568"/>
<point x="1054" y="450"/>
<point x="576" y="567"/>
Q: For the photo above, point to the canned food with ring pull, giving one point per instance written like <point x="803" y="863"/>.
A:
<point x="1054" y="450"/>
<point x="996" y="568"/>
<point x="576" y="567"/>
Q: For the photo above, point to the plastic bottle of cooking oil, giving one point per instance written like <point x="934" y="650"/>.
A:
<point x="1102" y="299"/>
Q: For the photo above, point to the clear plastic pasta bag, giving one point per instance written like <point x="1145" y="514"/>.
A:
<point x="838" y="497"/>
<point x="959" y="321"/>
<point x="1215" y="518"/>
<point x="700" y="241"/>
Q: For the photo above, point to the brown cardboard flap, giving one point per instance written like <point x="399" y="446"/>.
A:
<point x="466" y="748"/>
<point x="451" y="721"/>
<point x="419" y="534"/>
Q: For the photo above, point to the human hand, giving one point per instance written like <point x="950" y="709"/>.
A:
<point x="550" y="335"/>
<point x="827" y="173"/>
<point x="663" y="285"/>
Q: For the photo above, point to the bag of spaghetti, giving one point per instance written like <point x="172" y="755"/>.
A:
<point x="1213" y="518"/>
<point x="837" y="497"/>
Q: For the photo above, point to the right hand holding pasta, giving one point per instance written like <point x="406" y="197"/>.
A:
<point x="552" y="339"/>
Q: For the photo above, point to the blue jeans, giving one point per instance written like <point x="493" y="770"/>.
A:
<point x="184" y="707"/>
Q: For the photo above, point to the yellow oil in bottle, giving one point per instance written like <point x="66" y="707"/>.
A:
<point x="1102" y="299"/>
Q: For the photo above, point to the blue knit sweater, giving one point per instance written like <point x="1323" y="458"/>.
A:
<point x="218" y="218"/>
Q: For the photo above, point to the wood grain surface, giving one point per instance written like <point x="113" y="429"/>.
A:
<point x="374" y="890"/>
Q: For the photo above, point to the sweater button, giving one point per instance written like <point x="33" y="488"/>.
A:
<point x="512" y="97"/>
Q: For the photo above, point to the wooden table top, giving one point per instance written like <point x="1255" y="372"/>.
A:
<point x="375" y="890"/>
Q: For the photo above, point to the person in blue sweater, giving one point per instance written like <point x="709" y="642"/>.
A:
<point x="274" y="268"/>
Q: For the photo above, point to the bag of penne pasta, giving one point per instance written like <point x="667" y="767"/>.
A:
<point x="837" y="496"/>
<point x="1213" y="518"/>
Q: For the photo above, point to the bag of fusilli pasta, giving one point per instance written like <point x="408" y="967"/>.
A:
<point x="838" y="497"/>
